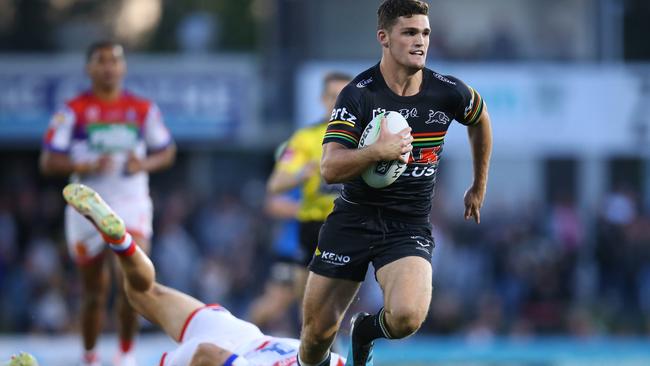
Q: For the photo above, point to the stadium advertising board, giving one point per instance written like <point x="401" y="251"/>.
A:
<point x="536" y="109"/>
<point x="202" y="100"/>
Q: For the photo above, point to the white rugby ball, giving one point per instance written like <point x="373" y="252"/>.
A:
<point x="383" y="173"/>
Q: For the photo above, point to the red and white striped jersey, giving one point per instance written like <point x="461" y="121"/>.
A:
<point x="88" y="127"/>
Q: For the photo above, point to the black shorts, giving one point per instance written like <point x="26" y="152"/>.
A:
<point x="308" y="238"/>
<point x="354" y="236"/>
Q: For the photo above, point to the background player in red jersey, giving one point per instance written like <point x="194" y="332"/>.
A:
<point x="110" y="140"/>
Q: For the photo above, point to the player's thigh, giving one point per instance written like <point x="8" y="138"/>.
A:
<point x="95" y="276"/>
<point x="326" y="299"/>
<point x="406" y="283"/>
<point x="168" y="308"/>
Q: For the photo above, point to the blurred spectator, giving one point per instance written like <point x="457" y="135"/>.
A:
<point x="501" y="44"/>
<point x="488" y="320"/>
<point x="8" y="239"/>
<point x="196" y="33"/>
<point x="223" y="226"/>
<point x="214" y="281"/>
<point x="43" y="268"/>
<point x="174" y="250"/>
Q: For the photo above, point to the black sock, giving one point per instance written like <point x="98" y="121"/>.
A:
<point x="325" y="362"/>
<point x="371" y="328"/>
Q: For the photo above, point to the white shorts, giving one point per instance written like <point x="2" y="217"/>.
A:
<point x="84" y="241"/>
<point x="214" y="324"/>
<point x="211" y="324"/>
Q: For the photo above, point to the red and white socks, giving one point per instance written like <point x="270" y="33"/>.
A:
<point x="124" y="247"/>
<point x="125" y="346"/>
<point x="90" y="358"/>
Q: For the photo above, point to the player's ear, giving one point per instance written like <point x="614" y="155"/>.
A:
<point x="382" y="37"/>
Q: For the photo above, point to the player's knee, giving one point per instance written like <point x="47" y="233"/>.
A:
<point x="405" y="320"/>
<point x="404" y="327"/>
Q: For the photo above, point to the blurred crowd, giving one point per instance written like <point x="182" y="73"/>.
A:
<point x="535" y="269"/>
<point x="545" y="269"/>
<point x="496" y="32"/>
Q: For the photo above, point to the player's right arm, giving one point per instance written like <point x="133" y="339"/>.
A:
<point x="208" y="354"/>
<point x="54" y="159"/>
<point x="340" y="163"/>
<point x="280" y="206"/>
<point x="56" y="163"/>
<point x="342" y="160"/>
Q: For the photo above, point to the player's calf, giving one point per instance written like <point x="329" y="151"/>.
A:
<point x="315" y="342"/>
<point x="316" y="339"/>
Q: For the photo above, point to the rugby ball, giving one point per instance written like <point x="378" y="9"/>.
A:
<point x="383" y="173"/>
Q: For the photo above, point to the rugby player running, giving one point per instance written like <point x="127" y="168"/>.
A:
<point x="389" y="227"/>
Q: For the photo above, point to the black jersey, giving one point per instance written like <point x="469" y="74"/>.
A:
<point x="442" y="99"/>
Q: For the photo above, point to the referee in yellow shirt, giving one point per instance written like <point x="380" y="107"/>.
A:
<point x="300" y="166"/>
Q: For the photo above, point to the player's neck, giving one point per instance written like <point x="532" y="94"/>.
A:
<point x="399" y="79"/>
<point x="107" y="94"/>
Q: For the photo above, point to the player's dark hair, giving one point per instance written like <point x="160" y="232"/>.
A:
<point x="90" y="51"/>
<point x="335" y="76"/>
<point x="390" y="10"/>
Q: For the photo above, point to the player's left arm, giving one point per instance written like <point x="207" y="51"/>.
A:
<point x="153" y="162"/>
<point x="480" y="139"/>
<point x="471" y="111"/>
<point x="208" y="354"/>
<point x="159" y="140"/>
